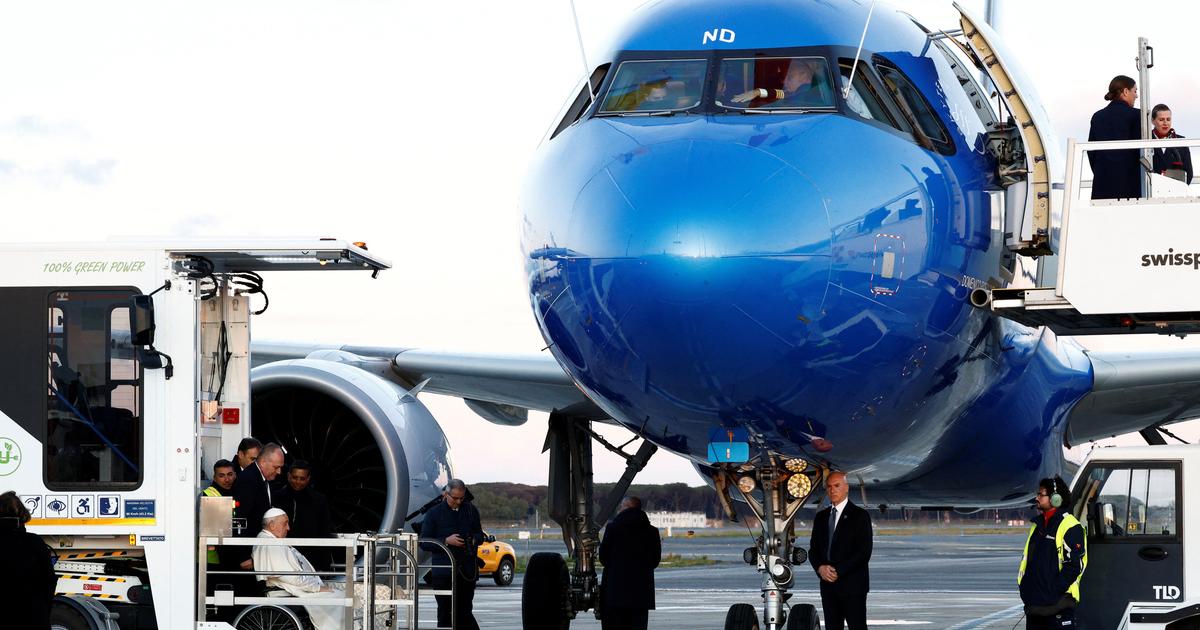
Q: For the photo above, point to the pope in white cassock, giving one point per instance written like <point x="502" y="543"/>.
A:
<point x="280" y="558"/>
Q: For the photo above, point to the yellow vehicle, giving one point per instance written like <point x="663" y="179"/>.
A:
<point x="499" y="559"/>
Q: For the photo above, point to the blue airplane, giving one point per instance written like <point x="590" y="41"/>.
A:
<point x="754" y="245"/>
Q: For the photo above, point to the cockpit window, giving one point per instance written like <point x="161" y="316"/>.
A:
<point x="914" y="105"/>
<point x="861" y="98"/>
<point x="775" y="83"/>
<point x="648" y="86"/>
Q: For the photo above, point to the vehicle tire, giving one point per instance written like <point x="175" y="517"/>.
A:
<point x="544" y="593"/>
<point x="803" y="617"/>
<point x="268" y="618"/>
<point x="741" y="617"/>
<point x="64" y="617"/>
<point x="505" y="572"/>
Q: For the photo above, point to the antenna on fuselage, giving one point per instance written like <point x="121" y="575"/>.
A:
<point x="587" y="70"/>
<point x="857" y="53"/>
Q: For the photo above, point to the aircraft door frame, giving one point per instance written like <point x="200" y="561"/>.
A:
<point x="1032" y="233"/>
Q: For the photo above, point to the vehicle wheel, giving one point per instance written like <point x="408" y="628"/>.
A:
<point x="741" y="617"/>
<point x="504" y="573"/>
<point x="64" y="617"/>
<point x="544" y="593"/>
<point x="803" y="617"/>
<point x="267" y="618"/>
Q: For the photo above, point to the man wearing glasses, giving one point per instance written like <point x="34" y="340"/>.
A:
<point x="455" y="523"/>
<point x="1054" y="559"/>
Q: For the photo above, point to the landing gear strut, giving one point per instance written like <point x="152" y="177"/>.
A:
<point x="552" y="594"/>
<point x="785" y="487"/>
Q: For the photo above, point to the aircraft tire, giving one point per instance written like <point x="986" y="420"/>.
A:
<point x="544" y="593"/>
<point x="63" y="618"/>
<point x="504" y="572"/>
<point x="741" y="617"/>
<point x="803" y="617"/>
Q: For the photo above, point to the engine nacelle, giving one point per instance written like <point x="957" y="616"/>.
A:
<point x="377" y="452"/>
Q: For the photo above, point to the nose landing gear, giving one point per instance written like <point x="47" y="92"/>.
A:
<point x="784" y="487"/>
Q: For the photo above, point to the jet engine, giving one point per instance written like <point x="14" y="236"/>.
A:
<point x="377" y="453"/>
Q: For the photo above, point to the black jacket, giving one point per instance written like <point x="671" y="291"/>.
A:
<point x="309" y="516"/>
<point x="1116" y="174"/>
<point x="253" y="498"/>
<point x="1043" y="583"/>
<point x="851" y="549"/>
<point x="440" y="523"/>
<point x="1174" y="158"/>
<point x="27" y="582"/>
<point x="630" y="551"/>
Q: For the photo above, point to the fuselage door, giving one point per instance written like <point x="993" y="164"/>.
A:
<point x="1030" y="170"/>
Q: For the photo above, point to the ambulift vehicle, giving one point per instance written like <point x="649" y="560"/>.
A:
<point x="126" y="370"/>
<point x="1139" y="522"/>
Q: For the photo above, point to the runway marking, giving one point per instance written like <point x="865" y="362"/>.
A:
<point x="980" y="622"/>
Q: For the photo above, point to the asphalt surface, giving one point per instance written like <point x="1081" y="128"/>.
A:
<point x="942" y="580"/>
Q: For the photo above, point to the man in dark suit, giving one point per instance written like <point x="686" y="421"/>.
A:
<point x="252" y="495"/>
<point x="308" y="513"/>
<point x="839" y="551"/>
<point x="630" y="552"/>
<point x="455" y="522"/>
<point x="1117" y="174"/>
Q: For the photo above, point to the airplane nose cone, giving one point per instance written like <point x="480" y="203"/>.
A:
<point x="699" y="199"/>
<point x="708" y="261"/>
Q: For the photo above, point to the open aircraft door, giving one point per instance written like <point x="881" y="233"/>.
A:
<point x="1026" y="148"/>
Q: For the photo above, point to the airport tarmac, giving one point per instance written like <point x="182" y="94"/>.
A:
<point x="943" y="581"/>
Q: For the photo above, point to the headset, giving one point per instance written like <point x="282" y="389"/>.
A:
<point x="1056" y="499"/>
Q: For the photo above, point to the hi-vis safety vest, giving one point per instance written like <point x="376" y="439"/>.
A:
<point x="1068" y="521"/>
<point x="213" y="558"/>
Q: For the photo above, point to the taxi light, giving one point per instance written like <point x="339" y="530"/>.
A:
<point x="799" y="486"/>
<point x="746" y="484"/>
<point x="795" y="465"/>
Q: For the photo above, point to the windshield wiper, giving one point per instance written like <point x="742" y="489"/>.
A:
<point x="664" y="112"/>
<point x="781" y="110"/>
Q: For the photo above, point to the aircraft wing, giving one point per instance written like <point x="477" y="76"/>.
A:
<point x="1136" y="390"/>
<point x="500" y="388"/>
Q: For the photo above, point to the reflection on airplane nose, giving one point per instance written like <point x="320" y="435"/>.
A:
<point x="699" y="199"/>
<point x="708" y="260"/>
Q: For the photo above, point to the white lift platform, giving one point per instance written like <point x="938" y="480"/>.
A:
<point x="1124" y="265"/>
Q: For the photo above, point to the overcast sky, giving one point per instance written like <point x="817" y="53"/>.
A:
<point x="405" y="124"/>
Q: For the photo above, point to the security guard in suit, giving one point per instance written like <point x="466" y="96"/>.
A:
<point x="1054" y="559"/>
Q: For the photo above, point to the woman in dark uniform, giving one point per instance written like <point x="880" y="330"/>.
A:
<point x="1117" y="174"/>
<point x="1175" y="162"/>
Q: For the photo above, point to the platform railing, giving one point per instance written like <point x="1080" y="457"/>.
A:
<point x="396" y="553"/>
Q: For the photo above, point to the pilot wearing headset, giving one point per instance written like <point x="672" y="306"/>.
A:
<point x="1054" y="559"/>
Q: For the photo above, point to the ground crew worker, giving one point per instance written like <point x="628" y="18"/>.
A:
<point x="1054" y="559"/>
<point x="222" y="486"/>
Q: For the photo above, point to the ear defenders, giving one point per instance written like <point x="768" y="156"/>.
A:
<point x="1056" y="499"/>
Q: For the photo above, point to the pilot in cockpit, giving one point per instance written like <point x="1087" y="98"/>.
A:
<point x="800" y="89"/>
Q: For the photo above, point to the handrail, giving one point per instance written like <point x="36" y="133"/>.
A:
<point x="353" y="574"/>
<point x="453" y="577"/>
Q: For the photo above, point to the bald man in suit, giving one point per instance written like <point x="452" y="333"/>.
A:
<point x="839" y="551"/>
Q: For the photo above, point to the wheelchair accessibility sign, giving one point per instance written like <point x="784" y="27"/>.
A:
<point x="83" y="506"/>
